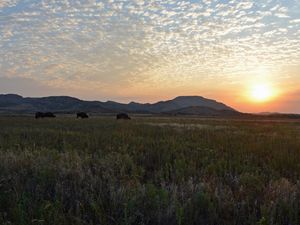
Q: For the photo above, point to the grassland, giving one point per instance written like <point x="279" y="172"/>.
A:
<point x="149" y="171"/>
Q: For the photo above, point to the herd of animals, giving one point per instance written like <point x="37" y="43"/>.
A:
<point x="82" y="115"/>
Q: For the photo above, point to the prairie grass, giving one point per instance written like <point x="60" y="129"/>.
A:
<point x="149" y="171"/>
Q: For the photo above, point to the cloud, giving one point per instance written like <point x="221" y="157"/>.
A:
<point x="128" y="42"/>
<point x="7" y="3"/>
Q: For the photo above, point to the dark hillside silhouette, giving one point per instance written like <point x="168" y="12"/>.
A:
<point x="64" y="104"/>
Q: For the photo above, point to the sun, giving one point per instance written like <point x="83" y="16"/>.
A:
<point x="261" y="92"/>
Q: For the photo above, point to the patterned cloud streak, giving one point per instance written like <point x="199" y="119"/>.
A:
<point x="129" y="42"/>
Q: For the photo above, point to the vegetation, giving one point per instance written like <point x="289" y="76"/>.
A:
<point x="149" y="171"/>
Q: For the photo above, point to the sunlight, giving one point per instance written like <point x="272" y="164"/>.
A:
<point x="261" y="92"/>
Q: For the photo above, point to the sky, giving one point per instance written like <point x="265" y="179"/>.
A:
<point x="151" y="50"/>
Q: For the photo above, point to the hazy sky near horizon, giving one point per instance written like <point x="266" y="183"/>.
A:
<point x="148" y="50"/>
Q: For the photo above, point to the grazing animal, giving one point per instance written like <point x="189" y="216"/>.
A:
<point x="82" y="115"/>
<point x="44" y="115"/>
<point x="123" y="116"/>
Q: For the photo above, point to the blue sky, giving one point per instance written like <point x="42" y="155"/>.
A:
<point x="150" y="50"/>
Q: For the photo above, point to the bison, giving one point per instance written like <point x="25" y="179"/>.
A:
<point x="82" y="115"/>
<point x="123" y="116"/>
<point x="44" y="115"/>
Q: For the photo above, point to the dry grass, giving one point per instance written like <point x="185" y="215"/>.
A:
<point x="149" y="171"/>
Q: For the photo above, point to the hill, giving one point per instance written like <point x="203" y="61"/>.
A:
<point x="204" y="111"/>
<point x="12" y="103"/>
<point x="17" y="104"/>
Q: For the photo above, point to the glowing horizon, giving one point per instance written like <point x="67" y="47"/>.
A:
<point x="243" y="53"/>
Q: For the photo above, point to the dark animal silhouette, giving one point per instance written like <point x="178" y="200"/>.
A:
<point x="123" y="116"/>
<point x="44" y="115"/>
<point x="82" y="115"/>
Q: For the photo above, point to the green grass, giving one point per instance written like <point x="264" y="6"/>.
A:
<point x="149" y="171"/>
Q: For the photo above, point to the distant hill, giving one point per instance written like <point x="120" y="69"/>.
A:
<point x="11" y="103"/>
<point x="186" y="101"/>
<point x="278" y="115"/>
<point x="17" y="104"/>
<point x="204" y="111"/>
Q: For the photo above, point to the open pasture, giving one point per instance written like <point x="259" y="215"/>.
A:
<point x="149" y="170"/>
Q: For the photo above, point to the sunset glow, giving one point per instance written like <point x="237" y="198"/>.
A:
<point x="146" y="51"/>
<point x="261" y="93"/>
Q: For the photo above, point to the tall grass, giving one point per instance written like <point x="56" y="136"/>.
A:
<point x="149" y="171"/>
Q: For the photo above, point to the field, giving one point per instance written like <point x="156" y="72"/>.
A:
<point x="149" y="171"/>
